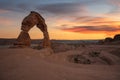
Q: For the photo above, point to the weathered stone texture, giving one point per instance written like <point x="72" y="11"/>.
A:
<point x="28" y="22"/>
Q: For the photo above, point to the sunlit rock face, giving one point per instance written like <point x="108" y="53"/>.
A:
<point x="28" y="22"/>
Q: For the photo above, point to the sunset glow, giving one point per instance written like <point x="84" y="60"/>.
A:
<point x="66" y="19"/>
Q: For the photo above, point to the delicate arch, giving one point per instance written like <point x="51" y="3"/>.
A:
<point x="28" y="22"/>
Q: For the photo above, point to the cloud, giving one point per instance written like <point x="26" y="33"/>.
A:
<point x="102" y="23"/>
<point x="64" y="8"/>
<point x="114" y="2"/>
<point x="3" y="11"/>
<point x="16" y="6"/>
<point x="92" y="29"/>
<point x="115" y="11"/>
<point x="89" y="20"/>
<point x="6" y="22"/>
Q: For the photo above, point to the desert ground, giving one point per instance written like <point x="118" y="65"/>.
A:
<point x="65" y="62"/>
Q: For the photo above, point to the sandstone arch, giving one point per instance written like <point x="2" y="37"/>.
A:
<point x="28" y="22"/>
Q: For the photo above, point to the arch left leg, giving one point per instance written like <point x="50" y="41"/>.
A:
<point x="23" y="40"/>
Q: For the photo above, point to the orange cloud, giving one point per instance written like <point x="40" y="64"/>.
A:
<point x="6" y="21"/>
<point x="108" y="30"/>
<point x="96" y="21"/>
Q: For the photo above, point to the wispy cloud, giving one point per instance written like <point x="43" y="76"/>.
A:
<point x="115" y="11"/>
<point x="88" y="20"/>
<point x="3" y="11"/>
<point x="91" y="29"/>
<point x="66" y="9"/>
<point x="114" y="2"/>
<point x="90" y="24"/>
<point x="5" y="22"/>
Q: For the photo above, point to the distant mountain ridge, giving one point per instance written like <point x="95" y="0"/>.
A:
<point x="7" y="41"/>
<point x="10" y="41"/>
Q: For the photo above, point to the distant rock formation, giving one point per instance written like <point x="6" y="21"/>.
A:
<point x="117" y="37"/>
<point x="109" y="40"/>
<point x="28" y="22"/>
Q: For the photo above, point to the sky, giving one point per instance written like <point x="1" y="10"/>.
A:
<point x="66" y="19"/>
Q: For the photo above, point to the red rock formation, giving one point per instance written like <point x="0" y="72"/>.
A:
<point x="28" y="22"/>
<point x="117" y="37"/>
<point x="23" y="39"/>
<point x="108" y="39"/>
